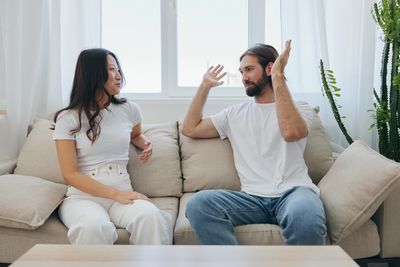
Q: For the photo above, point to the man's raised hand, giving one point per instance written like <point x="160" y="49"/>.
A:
<point x="281" y="61"/>
<point x="213" y="76"/>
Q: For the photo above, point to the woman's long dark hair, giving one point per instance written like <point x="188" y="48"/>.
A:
<point x="91" y="74"/>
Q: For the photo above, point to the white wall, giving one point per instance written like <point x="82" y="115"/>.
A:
<point x="162" y="110"/>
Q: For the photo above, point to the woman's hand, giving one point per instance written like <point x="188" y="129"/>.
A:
<point x="128" y="197"/>
<point x="146" y="153"/>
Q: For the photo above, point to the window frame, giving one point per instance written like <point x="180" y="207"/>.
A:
<point x="169" y="53"/>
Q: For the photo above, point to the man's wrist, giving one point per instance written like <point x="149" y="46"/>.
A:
<point x="277" y="76"/>
<point x="205" y="86"/>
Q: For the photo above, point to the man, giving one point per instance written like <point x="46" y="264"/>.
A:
<point x="268" y="137"/>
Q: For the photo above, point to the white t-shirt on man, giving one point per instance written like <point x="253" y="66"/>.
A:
<point x="113" y="142"/>
<point x="267" y="165"/>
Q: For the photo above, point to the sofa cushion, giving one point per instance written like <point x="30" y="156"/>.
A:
<point x="26" y="201"/>
<point x="38" y="156"/>
<point x="250" y="234"/>
<point x="207" y="164"/>
<point x="362" y="243"/>
<point x="318" y="152"/>
<point x="161" y="175"/>
<point x="15" y="242"/>
<point x="355" y="186"/>
<point x="388" y="217"/>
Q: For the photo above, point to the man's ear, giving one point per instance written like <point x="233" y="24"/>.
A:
<point x="268" y="68"/>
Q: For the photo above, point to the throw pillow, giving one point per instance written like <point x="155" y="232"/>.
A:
<point x="38" y="156"/>
<point x="26" y="201"/>
<point x="161" y="175"/>
<point x="207" y="164"/>
<point x="354" y="188"/>
<point x="318" y="152"/>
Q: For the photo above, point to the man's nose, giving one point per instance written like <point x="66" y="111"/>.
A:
<point x="245" y="78"/>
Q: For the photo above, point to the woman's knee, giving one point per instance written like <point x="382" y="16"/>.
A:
<point x="89" y="231"/>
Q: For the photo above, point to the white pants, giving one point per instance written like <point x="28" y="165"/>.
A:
<point x="93" y="220"/>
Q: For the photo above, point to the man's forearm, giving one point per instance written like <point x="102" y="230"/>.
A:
<point x="195" y="112"/>
<point x="291" y="124"/>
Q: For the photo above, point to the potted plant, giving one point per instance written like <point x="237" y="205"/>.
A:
<point x="386" y="112"/>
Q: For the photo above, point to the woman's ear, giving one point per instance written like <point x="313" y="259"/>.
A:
<point x="268" y="68"/>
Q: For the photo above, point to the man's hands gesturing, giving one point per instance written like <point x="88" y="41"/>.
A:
<point x="213" y="76"/>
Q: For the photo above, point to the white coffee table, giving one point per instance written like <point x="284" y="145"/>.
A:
<point x="187" y="256"/>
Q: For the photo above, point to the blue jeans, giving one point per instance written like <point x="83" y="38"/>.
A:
<point x="213" y="215"/>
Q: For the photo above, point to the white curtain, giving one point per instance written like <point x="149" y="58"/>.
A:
<point x="39" y="42"/>
<point x="342" y="34"/>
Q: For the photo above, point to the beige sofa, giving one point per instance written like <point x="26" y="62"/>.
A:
<point x="180" y="167"/>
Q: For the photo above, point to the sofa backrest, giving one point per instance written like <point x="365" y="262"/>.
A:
<point x="38" y="156"/>
<point x="159" y="177"/>
<point x="318" y="151"/>
<point x="208" y="163"/>
<point x="203" y="164"/>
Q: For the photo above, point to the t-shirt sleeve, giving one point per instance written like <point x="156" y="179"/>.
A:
<point x="63" y="126"/>
<point x="306" y="112"/>
<point x="136" y="113"/>
<point x="220" y="121"/>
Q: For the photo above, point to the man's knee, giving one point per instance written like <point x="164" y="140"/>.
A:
<point x="202" y="202"/>
<point x="304" y="219"/>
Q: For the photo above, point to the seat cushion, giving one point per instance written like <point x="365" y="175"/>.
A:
<point x="354" y="188"/>
<point x="15" y="241"/>
<point x="254" y="234"/>
<point x="363" y="242"/>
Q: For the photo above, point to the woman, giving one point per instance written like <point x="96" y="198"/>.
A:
<point x="92" y="135"/>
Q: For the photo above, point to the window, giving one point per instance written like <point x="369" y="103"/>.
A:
<point x="132" y="29"/>
<point x="3" y="98"/>
<point x="165" y="46"/>
<point x="218" y="36"/>
<point x="3" y="107"/>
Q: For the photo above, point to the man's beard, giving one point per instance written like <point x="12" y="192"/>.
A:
<point x="259" y="86"/>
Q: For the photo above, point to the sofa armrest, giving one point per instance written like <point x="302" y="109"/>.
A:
<point x="387" y="219"/>
<point x="8" y="166"/>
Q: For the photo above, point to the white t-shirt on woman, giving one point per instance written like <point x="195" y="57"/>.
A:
<point x="113" y="142"/>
